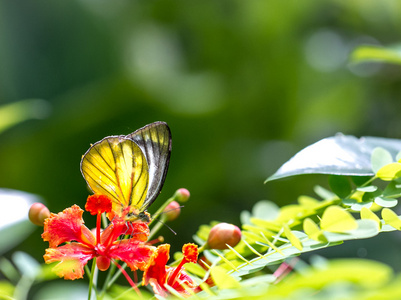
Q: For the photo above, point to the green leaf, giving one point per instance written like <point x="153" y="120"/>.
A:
<point x="366" y="273"/>
<point x="323" y="193"/>
<point x="340" y="185"/>
<point x="368" y="189"/>
<point x="17" y="112"/>
<point x="14" y="223"/>
<point x="392" y="189"/>
<point x="365" y="229"/>
<point x="360" y="180"/>
<point x="366" y="213"/>
<point x="389" y="172"/>
<point x="380" y="157"/>
<point x="391" y="218"/>
<point x="293" y="239"/>
<point x="265" y="210"/>
<point x="359" y="205"/>
<point x="386" y="202"/>
<point x="222" y="279"/>
<point x="313" y="231"/>
<point x="338" y="155"/>
<point x="376" y="53"/>
<point x="336" y="219"/>
<point x="370" y="196"/>
<point x="355" y="205"/>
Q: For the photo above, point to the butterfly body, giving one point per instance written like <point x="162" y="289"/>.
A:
<point x="129" y="169"/>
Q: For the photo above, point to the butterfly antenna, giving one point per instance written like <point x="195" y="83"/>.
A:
<point x="167" y="226"/>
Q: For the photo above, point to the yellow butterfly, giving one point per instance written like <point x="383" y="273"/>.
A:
<point x="129" y="169"/>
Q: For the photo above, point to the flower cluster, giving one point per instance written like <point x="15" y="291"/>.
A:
<point x="72" y="245"/>
<point x="80" y="245"/>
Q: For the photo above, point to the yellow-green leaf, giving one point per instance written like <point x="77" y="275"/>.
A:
<point x="389" y="172"/>
<point x="391" y="218"/>
<point x="336" y="219"/>
<point x="222" y="279"/>
<point x="313" y="231"/>
<point x="366" y="213"/>
<point x="293" y="239"/>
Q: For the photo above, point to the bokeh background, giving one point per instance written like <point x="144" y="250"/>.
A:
<point x="243" y="85"/>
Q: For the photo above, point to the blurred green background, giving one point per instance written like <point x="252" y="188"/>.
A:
<point x="243" y="86"/>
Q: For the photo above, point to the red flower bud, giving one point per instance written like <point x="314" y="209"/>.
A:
<point x="38" y="213"/>
<point x="172" y="211"/>
<point x="103" y="263"/>
<point x="224" y="234"/>
<point x="182" y="195"/>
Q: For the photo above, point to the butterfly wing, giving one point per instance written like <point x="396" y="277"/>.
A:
<point x="155" y="142"/>
<point x="117" y="167"/>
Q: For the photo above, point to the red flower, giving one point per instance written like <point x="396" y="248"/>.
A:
<point x="158" y="275"/>
<point x="82" y="246"/>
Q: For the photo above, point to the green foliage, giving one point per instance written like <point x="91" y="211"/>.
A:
<point x="368" y="53"/>
<point x="273" y="235"/>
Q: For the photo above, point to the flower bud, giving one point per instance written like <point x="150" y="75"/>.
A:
<point x="38" y="212"/>
<point x="172" y="211"/>
<point x="223" y="234"/>
<point x="103" y="263"/>
<point x="182" y="195"/>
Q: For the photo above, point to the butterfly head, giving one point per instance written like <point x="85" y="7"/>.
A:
<point x="142" y="216"/>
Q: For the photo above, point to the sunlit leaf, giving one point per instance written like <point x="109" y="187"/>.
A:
<point x="366" y="213"/>
<point x="376" y="53"/>
<point x="336" y="219"/>
<point x="386" y="202"/>
<point x="293" y="239"/>
<point x="360" y="205"/>
<point x="340" y="185"/>
<point x="308" y="201"/>
<point x="366" y="273"/>
<point x="6" y="290"/>
<point x="265" y="210"/>
<point x="380" y="157"/>
<point x="222" y="279"/>
<point x="365" y="229"/>
<point x="338" y="155"/>
<point x="391" y="218"/>
<point x="369" y="188"/>
<point x="313" y="231"/>
<point x="389" y="172"/>
<point x="14" y="223"/>
<point x="324" y="193"/>
<point x="17" y="112"/>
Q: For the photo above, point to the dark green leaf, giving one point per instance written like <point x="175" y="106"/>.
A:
<point x="360" y="180"/>
<point x="392" y="189"/>
<point x="340" y="185"/>
<point x="370" y="196"/>
<point x="338" y="155"/>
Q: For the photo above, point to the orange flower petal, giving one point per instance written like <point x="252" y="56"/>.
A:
<point x="66" y="227"/>
<point x="97" y="204"/>
<point x="183" y="283"/>
<point x="136" y="254"/>
<point x="156" y="269"/>
<point x="71" y="257"/>
<point x="190" y="252"/>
